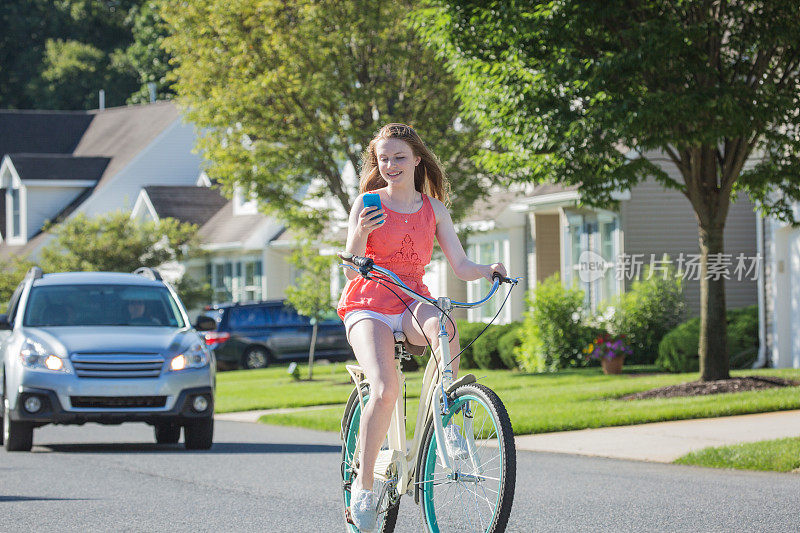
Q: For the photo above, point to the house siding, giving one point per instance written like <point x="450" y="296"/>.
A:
<point x="547" y="238"/>
<point x="43" y="203"/>
<point x="656" y="221"/>
<point x="167" y="160"/>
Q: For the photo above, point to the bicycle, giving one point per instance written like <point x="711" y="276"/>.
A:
<point x="473" y="493"/>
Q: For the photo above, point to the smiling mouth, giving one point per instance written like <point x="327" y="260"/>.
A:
<point x="395" y="174"/>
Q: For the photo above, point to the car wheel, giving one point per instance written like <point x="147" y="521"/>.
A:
<point x="167" y="433"/>
<point x="255" y="357"/>
<point x="199" y="435"/>
<point x="17" y="436"/>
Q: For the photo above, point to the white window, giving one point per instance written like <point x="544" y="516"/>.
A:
<point x="486" y="252"/>
<point x="592" y="240"/>
<point x="237" y="281"/>
<point x="16" y="214"/>
<point x="251" y="286"/>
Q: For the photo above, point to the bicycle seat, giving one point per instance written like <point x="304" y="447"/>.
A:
<point x="413" y="349"/>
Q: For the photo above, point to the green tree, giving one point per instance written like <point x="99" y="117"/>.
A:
<point x="285" y="93"/>
<point x="59" y="54"/>
<point x="26" y="27"/>
<point x="13" y="270"/>
<point x="73" y="73"/>
<point x="115" y="243"/>
<point x="146" y="55"/>
<point x="584" y="93"/>
<point x="310" y="293"/>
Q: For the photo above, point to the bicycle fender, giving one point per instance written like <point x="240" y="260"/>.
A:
<point x="351" y="401"/>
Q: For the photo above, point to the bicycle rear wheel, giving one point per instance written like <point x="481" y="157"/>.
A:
<point x="387" y="508"/>
<point x="478" y="495"/>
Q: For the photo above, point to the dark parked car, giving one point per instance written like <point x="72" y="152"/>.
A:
<point x="255" y="335"/>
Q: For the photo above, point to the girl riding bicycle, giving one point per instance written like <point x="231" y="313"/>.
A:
<point x="399" y="235"/>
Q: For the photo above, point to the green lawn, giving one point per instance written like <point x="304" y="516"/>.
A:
<point x="780" y="455"/>
<point x="537" y="403"/>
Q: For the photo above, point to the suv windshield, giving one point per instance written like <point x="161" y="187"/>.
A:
<point x="102" y="305"/>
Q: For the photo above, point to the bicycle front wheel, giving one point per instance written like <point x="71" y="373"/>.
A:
<point x="387" y="508"/>
<point x="478" y="495"/>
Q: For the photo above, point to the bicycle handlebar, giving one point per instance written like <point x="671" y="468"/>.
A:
<point x="366" y="265"/>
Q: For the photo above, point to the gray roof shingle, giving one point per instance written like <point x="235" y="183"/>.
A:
<point x="58" y="167"/>
<point x="195" y="205"/>
<point x="39" y="132"/>
<point x="225" y="227"/>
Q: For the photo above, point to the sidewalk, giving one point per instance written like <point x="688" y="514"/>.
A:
<point x="661" y="442"/>
<point x="664" y="442"/>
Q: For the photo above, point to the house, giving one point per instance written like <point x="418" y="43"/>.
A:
<point x="544" y="230"/>
<point x="56" y="164"/>
<point x="780" y="292"/>
<point x="239" y="242"/>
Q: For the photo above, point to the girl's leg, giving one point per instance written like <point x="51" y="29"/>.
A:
<point x="373" y="344"/>
<point x="428" y="317"/>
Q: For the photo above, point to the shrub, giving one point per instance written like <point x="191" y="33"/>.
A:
<point x="553" y="335"/>
<point x="743" y="336"/>
<point x="486" y="353"/>
<point x="467" y="331"/>
<point x="508" y="344"/>
<point x="678" y="349"/>
<point x="646" y="313"/>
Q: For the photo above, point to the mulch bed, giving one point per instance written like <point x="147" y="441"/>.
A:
<point x="700" y="388"/>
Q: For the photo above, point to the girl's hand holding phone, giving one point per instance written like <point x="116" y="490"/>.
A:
<point x="373" y="214"/>
<point x="370" y="219"/>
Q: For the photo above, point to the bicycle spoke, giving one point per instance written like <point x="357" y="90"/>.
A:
<point x="466" y="500"/>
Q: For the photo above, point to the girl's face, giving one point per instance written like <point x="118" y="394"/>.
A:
<point x="396" y="160"/>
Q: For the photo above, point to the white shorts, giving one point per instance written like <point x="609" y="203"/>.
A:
<point x="393" y="321"/>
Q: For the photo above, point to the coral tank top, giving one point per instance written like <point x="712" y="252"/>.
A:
<point x="403" y="244"/>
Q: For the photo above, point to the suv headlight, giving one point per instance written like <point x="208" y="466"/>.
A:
<point x="194" y="357"/>
<point x="34" y="354"/>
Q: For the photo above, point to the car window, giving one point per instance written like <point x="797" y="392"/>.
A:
<point x="216" y="314"/>
<point x="288" y="315"/>
<point x="247" y="317"/>
<point x="101" y="305"/>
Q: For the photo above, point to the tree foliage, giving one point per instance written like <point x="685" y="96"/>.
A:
<point x="114" y="243"/>
<point x="146" y="55"/>
<point x="59" y="54"/>
<point x="310" y="292"/>
<point x="286" y="93"/>
<point x="591" y="93"/>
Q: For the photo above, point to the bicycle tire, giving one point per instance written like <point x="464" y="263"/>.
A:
<point x="496" y="454"/>
<point x="350" y="430"/>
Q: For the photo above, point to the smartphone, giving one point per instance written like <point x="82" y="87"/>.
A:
<point x="373" y="200"/>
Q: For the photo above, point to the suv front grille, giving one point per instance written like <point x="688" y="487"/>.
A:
<point x="117" y="402"/>
<point x="117" y="365"/>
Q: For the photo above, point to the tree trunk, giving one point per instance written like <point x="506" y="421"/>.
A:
<point x="311" y="350"/>
<point x="713" y="347"/>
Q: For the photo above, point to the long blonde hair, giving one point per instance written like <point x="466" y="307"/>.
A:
<point x="429" y="176"/>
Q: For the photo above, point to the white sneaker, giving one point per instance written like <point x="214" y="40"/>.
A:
<point x="364" y="509"/>
<point x="455" y="443"/>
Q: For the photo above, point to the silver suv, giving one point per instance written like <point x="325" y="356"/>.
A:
<point x="107" y="348"/>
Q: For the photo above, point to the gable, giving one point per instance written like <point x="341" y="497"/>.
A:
<point x="195" y="205"/>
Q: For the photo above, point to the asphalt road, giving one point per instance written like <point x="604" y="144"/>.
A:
<point x="263" y="478"/>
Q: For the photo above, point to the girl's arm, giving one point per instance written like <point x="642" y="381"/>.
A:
<point x="464" y="268"/>
<point x="358" y="229"/>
